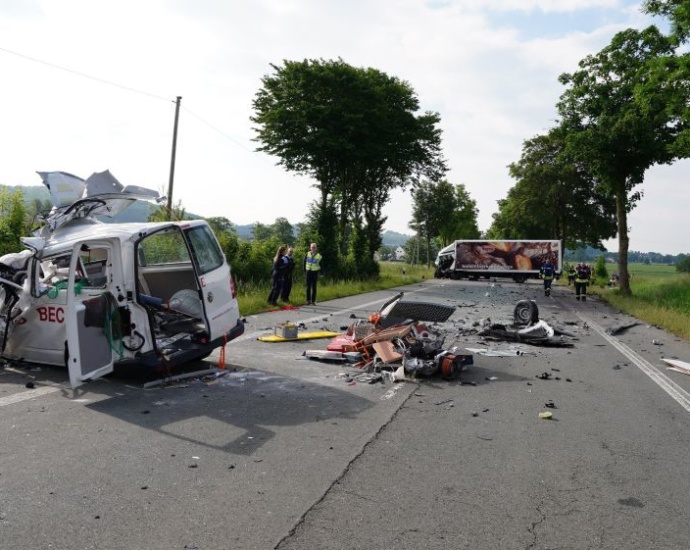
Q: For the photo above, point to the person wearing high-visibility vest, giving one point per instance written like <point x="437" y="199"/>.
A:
<point x="312" y="267"/>
<point x="582" y="276"/>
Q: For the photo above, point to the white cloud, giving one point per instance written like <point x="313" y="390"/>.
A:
<point x="494" y="85"/>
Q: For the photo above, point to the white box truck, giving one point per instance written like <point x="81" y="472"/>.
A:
<point x="517" y="259"/>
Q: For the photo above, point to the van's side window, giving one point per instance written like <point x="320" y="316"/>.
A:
<point x="205" y="249"/>
<point x="94" y="263"/>
<point x="163" y="248"/>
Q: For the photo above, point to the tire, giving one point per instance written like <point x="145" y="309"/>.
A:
<point x="526" y="312"/>
<point x="520" y="278"/>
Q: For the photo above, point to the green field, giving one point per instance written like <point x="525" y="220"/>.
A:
<point x="252" y="299"/>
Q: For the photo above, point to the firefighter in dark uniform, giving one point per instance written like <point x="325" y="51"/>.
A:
<point x="582" y="277"/>
<point x="547" y="274"/>
<point x="571" y="275"/>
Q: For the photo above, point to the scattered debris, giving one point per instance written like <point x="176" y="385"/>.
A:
<point x="168" y="379"/>
<point x="397" y="340"/>
<point x="496" y="352"/>
<point x="618" y="329"/>
<point x="546" y="415"/>
<point x="290" y="334"/>
<point x="444" y="402"/>
<point x="678" y="366"/>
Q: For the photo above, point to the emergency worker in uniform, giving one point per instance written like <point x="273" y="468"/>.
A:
<point x="582" y="277"/>
<point x="547" y="274"/>
<point x="312" y="268"/>
<point x="571" y="275"/>
<point x="277" y="275"/>
<point x="287" y="275"/>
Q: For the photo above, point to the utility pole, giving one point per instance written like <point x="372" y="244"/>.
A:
<point x="172" y="157"/>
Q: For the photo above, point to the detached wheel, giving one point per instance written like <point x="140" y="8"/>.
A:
<point x="526" y="312"/>
<point x="520" y="278"/>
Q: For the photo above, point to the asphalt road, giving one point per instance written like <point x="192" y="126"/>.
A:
<point x="285" y="453"/>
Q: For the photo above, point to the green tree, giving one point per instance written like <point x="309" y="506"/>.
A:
<point x="443" y="211"/>
<point x="600" y="268"/>
<point x="683" y="265"/>
<point x="678" y="12"/>
<point x="621" y="121"/>
<point x="554" y="197"/>
<point x="12" y="220"/>
<point x="283" y="231"/>
<point x="356" y="132"/>
<point x="462" y="224"/>
<point x="261" y="232"/>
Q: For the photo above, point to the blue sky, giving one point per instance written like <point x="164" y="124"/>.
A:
<point x="489" y="67"/>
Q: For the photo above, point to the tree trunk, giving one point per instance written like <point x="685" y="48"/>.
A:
<point x="428" y="250"/>
<point x="623" y="240"/>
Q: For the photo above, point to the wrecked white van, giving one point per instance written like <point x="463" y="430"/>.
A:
<point x="89" y="294"/>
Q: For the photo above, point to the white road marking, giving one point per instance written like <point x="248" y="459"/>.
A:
<point x="664" y="382"/>
<point x="30" y="394"/>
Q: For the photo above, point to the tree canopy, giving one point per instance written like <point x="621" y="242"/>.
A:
<point x="623" y="114"/>
<point x="443" y="211"/>
<point x="356" y="132"/>
<point x="678" y="12"/>
<point x="554" y="197"/>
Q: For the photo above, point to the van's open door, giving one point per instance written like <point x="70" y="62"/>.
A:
<point x="219" y="303"/>
<point x="90" y="306"/>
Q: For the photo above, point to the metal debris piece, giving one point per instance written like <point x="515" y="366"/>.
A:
<point x="618" y="329"/>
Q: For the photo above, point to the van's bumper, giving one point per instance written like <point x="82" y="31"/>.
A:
<point x="186" y="352"/>
<point x="234" y="332"/>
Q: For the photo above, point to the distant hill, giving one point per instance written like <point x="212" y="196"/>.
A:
<point x="392" y="238"/>
<point x="139" y="212"/>
<point x="244" y="231"/>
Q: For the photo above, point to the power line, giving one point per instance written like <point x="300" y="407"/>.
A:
<point x="129" y="89"/>
<point x="221" y="132"/>
<point x="84" y="75"/>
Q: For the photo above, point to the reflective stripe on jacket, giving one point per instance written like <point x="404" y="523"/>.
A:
<point x="583" y="275"/>
<point x="312" y="263"/>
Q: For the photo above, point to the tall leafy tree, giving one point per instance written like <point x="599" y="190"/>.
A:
<point x="443" y="211"/>
<point x="462" y="223"/>
<point x="355" y="131"/>
<point x="284" y="231"/>
<point x="678" y="12"/>
<point x="554" y="197"/>
<point x="619" y="124"/>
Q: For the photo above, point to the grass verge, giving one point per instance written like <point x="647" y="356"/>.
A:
<point x="252" y="297"/>
<point x="660" y="299"/>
